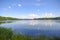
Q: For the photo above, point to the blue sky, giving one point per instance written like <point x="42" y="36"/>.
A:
<point x="30" y="8"/>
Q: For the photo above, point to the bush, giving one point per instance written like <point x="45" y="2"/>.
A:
<point x="5" y="34"/>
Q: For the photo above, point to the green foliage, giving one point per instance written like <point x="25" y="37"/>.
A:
<point x="56" y="18"/>
<point x="8" y="18"/>
<point x="7" y="34"/>
<point x="19" y="37"/>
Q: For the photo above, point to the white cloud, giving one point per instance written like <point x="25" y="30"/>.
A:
<point x="19" y="5"/>
<point x="47" y="15"/>
<point x="32" y="15"/>
<point x="9" y="7"/>
<point x="29" y="16"/>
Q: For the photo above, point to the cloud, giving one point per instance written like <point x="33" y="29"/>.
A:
<point x="29" y="16"/>
<point x="9" y="7"/>
<point x="5" y="9"/>
<point x="33" y="15"/>
<point x="19" y="5"/>
<point x="47" y="15"/>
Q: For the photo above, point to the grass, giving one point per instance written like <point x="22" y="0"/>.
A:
<point x="7" y="34"/>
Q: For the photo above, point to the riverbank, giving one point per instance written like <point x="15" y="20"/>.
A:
<point x="7" y="34"/>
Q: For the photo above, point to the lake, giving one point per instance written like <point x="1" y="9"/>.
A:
<point x="34" y="27"/>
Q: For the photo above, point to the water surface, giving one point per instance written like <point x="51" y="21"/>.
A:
<point x="34" y="27"/>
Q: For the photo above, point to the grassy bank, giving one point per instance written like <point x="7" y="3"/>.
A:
<point x="7" y="34"/>
<point x="8" y="18"/>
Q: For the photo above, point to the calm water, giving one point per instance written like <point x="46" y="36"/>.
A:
<point x="34" y="27"/>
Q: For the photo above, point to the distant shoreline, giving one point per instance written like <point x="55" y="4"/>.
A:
<point x="11" y="18"/>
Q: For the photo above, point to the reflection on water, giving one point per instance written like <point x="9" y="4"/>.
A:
<point x="35" y="22"/>
<point x="48" y="22"/>
<point x="4" y="22"/>
<point x="32" y="22"/>
<point x="35" y="27"/>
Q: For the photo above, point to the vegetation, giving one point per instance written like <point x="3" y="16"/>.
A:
<point x="2" y="22"/>
<point x="8" y="18"/>
<point x="7" y="34"/>
<point x="56" y="18"/>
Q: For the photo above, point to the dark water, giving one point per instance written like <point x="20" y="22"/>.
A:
<point x="34" y="27"/>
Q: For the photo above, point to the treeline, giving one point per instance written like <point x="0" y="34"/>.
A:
<point x="56" y="18"/>
<point x="8" y="18"/>
<point x="8" y="34"/>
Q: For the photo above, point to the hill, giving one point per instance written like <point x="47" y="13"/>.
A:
<point x="8" y="18"/>
<point x="55" y="18"/>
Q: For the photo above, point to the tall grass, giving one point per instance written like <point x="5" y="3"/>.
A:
<point x="7" y="34"/>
